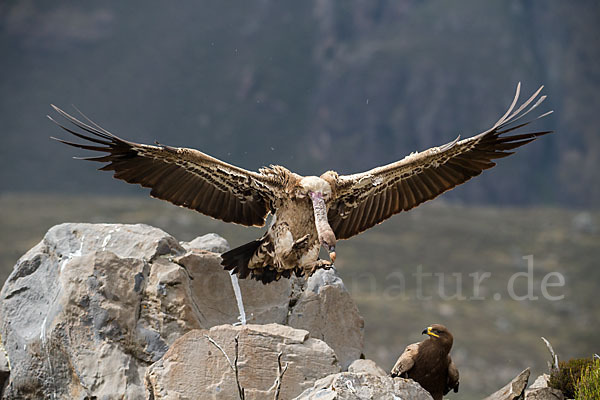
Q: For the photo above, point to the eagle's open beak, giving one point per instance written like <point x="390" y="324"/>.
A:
<point x="429" y="332"/>
<point x="332" y="256"/>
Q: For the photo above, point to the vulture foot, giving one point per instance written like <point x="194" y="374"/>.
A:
<point x="319" y="264"/>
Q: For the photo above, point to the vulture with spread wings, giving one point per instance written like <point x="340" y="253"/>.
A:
<point x="307" y="212"/>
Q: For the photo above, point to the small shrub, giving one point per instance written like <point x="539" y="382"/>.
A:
<point x="588" y="387"/>
<point x="567" y="376"/>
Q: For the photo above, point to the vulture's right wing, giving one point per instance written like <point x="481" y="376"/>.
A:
<point x="185" y="177"/>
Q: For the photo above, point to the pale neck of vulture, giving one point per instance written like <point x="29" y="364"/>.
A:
<point x="324" y="231"/>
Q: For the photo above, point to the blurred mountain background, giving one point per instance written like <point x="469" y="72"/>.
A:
<point x="344" y="85"/>
<point x="312" y="85"/>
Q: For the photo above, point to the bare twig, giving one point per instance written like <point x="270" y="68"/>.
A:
<point x="554" y="364"/>
<point x="233" y="365"/>
<point x="279" y="379"/>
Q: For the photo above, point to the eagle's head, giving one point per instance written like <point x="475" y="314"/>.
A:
<point x="439" y="333"/>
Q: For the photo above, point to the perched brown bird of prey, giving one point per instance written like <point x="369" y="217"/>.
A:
<point x="308" y="212"/>
<point x="429" y="363"/>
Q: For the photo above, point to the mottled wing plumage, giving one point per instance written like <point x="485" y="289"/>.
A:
<point x="406" y="360"/>
<point x="185" y="177"/>
<point x="452" y="377"/>
<point x="368" y="198"/>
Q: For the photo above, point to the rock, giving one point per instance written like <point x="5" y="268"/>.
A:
<point x="541" y="381"/>
<point x="540" y="390"/>
<point x="513" y="390"/>
<point x="73" y="313"/>
<point x="194" y="365"/>
<point x="327" y="311"/>
<point x="366" y="367"/>
<point x="359" y="386"/>
<point x="209" y="242"/>
<point x="547" y="393"/>
<point x="87" y="310"/>
<point x="211" y="291"/>
<point x="4" y="370"/>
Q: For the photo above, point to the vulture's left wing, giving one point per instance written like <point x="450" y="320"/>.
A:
<point x="368" y="198"/>
<point x="185" y="177"/>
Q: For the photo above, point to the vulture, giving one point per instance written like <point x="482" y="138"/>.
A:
<point x="308" y="212"/>
<point x="429" y="363"/>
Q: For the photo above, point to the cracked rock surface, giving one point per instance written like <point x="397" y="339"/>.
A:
<point x="194" y="365"/>
<point x="88" y="310"/>
<point x="364" y="386"/>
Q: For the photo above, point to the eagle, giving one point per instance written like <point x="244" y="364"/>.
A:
<point x="429" y="363"/>
<point x="308" y="212"/>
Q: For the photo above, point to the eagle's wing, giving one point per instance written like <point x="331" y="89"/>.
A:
<point x="365" y="199"/>
<point x="406" y="360"/>
<point x="452" y="383"/>
<point x="185" y="177"/>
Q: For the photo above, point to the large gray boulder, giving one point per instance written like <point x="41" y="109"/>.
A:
<point x="87" y="310"/>
<point x="195" y="365"/>
<point x="327" y="311"/>
<point x="74" y="313"/>
<point x="364" y="386"/>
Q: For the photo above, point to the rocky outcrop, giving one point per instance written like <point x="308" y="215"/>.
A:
<point x="87" y="310"/>
<point x="4" y="370"/>
<point x="195" y="365"/>
<point x="540" y="390"/>
<point x="513" y="389"/>
<point x="366" y="367"/>
<point x="327" y="311"/>
<point x="364" y="386"/>
<point x="517" y="389"/>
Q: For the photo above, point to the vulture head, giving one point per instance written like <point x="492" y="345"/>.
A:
<point x="440" y="334"/>
<point x="319" y="192"/>
<point x="310" y="186"/>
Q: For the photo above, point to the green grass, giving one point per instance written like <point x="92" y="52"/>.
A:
<point x="494" y="339"/>
<point x="589" y="382"/>
<point x="566" y="377"/>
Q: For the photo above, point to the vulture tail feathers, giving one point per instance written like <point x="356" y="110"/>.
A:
<point x="236" y="260"/>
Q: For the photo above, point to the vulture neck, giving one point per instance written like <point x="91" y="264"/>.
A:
<point x="320" y="210"/>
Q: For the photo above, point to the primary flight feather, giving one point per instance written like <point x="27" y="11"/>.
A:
<point x="308" y="212"/>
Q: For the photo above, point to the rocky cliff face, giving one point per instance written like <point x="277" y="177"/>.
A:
<point x="88" y="310"/>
